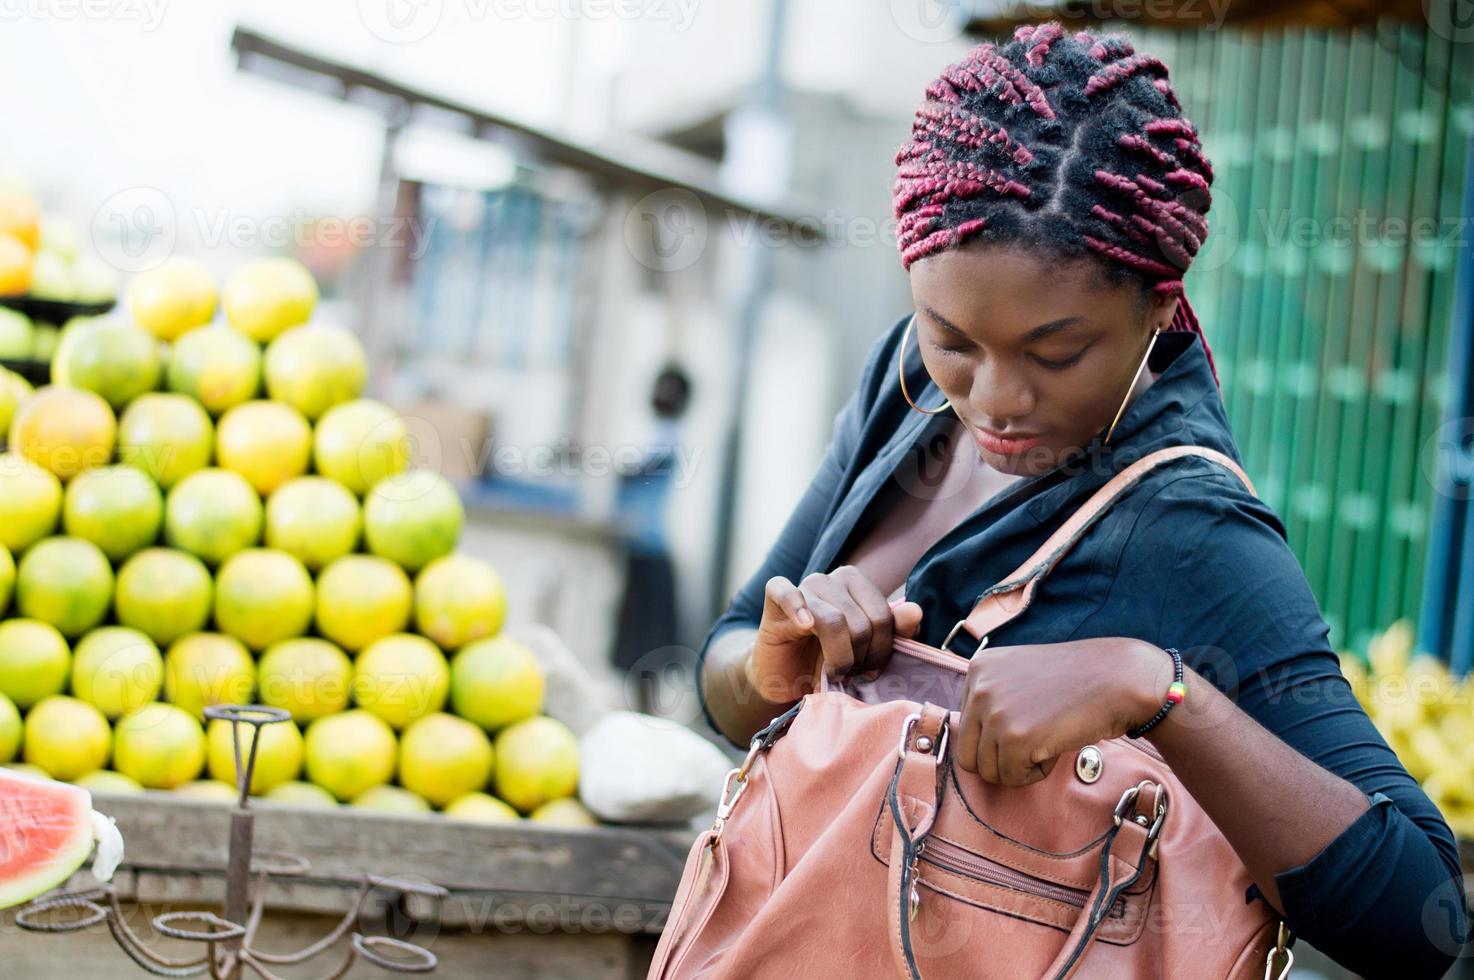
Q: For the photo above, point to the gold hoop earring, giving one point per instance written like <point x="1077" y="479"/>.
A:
<point x="905" y="336"/>
<point x="1131" y="387"/>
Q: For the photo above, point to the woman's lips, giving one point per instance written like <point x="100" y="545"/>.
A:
<point x="1010" y="446"/>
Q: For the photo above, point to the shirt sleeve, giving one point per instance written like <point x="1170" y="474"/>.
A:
<point x="1386" y="896"/>
<point x="789" y="554"/>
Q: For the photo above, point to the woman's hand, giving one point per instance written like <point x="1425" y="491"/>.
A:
<point x="841" y="616"/>
<point x="1024" y="706"/>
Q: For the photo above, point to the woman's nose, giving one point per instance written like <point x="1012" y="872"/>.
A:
<point x="1000" y="394"/>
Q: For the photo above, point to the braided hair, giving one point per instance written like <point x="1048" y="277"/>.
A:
<point x="1072" y="143"/>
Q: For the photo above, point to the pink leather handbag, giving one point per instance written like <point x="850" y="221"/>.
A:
<point x="848" y="845"/>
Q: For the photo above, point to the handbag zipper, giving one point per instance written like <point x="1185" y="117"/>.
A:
<point x="959" y="860"/>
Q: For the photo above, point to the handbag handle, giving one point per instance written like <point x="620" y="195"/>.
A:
<point x="914" y="798"/>
<point x="1009" y="599"/>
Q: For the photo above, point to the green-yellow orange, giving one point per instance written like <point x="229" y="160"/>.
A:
<point x="66" y="582"/>
<point x="360" y="443"/>
<point x="263" y="596"/>
<point x="30" y="502"/>
<point x="7" y="578"/>
<point x="297" y="793"/>
<point x="350" y="753"/>
<point x="401" y="678"/>
<point x="314" y="367"/>
<point x="264" y="297"/>
<point x="207" y="791"/>
<point x="496" y="682"/>
<point x="66" y="737"/>
<point x="166" y="435"/>
<point x="481" y="808"/>
<point x="108" y="781"/>
<point x="110" y="357"/>
<point x="306" y="677"/>
<point x="203" y="669"/>
<point x="314" y="519"/>
<point x="217" y="366"/>
<point x="564" y="812"/>
<point x="117" y="670"/>
<point x="160" y="745"/>
<point x="278" y="759"/>
<point x="459" y="599"/>
<point x="412" y="518"/>
<point x="10" y="729"/>
<point x="164" y="593"/>
<point x="443" y="758"/>
<point x="35" y="661"/>
<point x="212" y="513"/>
<point x="361" y="599"/>
<point x="390" y="799"/>
<point x="64" y="430"/>
<point x="266" y="442"/>
<point x="118" y="508"/>
<point x="172" y="298"/>
<point x="536" y="761"/>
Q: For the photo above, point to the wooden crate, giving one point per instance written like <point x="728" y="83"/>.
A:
<point x="525" y="900"/>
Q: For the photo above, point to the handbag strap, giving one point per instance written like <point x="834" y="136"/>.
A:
<point x="1008" y="599"/>
<point x="914" y="798"/>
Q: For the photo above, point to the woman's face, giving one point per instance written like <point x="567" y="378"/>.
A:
<point x="1029" y="348"/>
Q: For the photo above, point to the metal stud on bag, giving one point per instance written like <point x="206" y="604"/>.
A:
<point x="1089" y="764"/>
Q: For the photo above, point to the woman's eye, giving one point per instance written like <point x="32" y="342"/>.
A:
<point x="948" y="350"/>
<point x="1061" y="365"/>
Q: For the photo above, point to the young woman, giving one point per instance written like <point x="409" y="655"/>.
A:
<point x="1051" y="198"/>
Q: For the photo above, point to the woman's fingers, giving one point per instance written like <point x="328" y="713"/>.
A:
<point x="847" y="614"/>
<point x="988" y="750"/>
<point x="876" y="611"/>
<point x="788" y="599"/>
<point x="907" y="616"/>
<point x="835" y="638"/>
<point x="965" y="739"/>
<point x="1015" y="768"/>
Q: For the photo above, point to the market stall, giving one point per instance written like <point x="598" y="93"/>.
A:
<point x="522" y="901"/>
<point x="242" y="623"/>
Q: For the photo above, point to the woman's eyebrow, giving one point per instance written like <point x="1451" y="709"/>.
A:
<point x="1052" y="327"/>
<point x="1037" y="333"/>
<point x="942" y="320"/>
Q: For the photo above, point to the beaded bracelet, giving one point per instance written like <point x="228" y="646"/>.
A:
<point x="1176" y="691"/>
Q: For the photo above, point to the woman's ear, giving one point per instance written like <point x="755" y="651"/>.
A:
<point x="1163" y="309"/>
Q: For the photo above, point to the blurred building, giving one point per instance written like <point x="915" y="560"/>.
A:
<point x="564" y="199"/>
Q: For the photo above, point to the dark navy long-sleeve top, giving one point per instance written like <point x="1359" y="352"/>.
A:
<point x="1190" y="559"/>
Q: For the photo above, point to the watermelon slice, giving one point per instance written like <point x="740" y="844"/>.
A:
<point x="47" y="829"/>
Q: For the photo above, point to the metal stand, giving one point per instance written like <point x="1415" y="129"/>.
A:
<point x="229" y="940"/>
